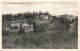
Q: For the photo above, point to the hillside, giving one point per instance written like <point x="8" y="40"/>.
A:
<point x="46" y="31"/>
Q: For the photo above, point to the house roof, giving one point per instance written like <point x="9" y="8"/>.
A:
<point x="15" y="24"/>
<point x="20" y="21"/>
<point x="25" y="24"/>
<point x="44" y="16"/>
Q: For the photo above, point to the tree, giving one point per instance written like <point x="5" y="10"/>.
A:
<point x="41" y="13"/>
<point x="43" y="27"/>
<point x="8" y="17"/>
<point x="21" y="30"/>
<point x="47" y="13"/>
<point x="66" y="22"/>
<point x="35" y="27"/>
<point x="19" y="15"/>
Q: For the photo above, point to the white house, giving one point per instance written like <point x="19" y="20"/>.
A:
<point x="44" y="19"/>
<point x="15" y="26"/>
<point x="26" y="27"/>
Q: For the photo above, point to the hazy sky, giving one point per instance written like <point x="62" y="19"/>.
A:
<point x="55" y="8"/>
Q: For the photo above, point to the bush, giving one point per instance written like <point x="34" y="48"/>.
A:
<point x="16" y="42"/>
<point x="5" y="33"/>
<point x="4" y="42"/>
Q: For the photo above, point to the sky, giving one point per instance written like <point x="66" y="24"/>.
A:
<point x="54" y="7"/>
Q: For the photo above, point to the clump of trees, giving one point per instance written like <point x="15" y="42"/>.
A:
<point x="41" y="27"/>
<point x="27" y="15"/>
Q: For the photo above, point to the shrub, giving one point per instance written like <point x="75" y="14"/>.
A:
<point x="5" y="33"/>
<point x="16" y="42"/>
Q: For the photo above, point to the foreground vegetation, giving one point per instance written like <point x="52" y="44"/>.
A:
<point x="53" y="39"/>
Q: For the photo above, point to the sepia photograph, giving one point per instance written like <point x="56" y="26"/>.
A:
<point x="40" y="25"/>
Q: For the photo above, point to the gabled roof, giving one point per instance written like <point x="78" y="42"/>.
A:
<point x="25" y="24"/>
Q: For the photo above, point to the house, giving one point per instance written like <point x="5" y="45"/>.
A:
<point x="15" y="26"/>
<point x="27" y="27"/>
<point x="72" y="26"/>
<point x="44" y="19"/>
